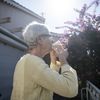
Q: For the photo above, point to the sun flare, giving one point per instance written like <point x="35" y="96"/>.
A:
<point x="60" y="7"/>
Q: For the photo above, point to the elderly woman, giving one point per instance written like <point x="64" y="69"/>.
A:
<point x="33" y="78"/>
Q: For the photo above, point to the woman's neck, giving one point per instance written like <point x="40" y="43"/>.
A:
<point x="36" y="52"/>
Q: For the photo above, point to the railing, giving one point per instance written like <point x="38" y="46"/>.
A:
<point x="91" y="92"/>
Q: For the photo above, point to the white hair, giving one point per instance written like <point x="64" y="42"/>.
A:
<point x="32" y="31"/>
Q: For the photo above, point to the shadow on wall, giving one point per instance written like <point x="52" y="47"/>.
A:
<point x="11" y="49"/>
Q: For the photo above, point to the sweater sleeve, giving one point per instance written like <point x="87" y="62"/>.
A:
<point x="64" y="84"/>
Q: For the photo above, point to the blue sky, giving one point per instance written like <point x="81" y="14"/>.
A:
<point x="56" y="12"/>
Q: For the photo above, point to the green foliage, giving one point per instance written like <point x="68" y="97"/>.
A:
<point x="84" y="46"/>
<point x="84" y="55"/>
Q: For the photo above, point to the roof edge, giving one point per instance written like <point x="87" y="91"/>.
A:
<point x="21" y="7"/>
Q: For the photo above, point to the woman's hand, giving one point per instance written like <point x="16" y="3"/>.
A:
<point x="61" y="53"/>
<point x="53" y="56"/>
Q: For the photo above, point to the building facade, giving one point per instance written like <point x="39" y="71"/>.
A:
<point x="14" y="17"/>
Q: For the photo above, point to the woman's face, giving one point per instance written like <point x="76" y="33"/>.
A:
<point x="46" y="43"/>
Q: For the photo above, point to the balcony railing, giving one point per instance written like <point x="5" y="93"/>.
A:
<point x="91" y="92"/>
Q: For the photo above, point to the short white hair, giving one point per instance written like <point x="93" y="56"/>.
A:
<point x="32" y="31"/>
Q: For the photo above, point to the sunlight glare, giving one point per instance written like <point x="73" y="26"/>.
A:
<point x="59" y="8"/>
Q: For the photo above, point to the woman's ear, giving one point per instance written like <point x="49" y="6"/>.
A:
<point x="40" y="40"/>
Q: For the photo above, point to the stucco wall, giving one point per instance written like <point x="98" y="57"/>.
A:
<point x="10" y="52"/>
<point x="18" y="17"/>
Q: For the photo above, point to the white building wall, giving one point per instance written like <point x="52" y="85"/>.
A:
<point x="18" y="17"/>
